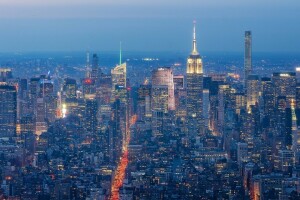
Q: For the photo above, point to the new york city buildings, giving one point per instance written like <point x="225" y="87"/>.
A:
<point x="113" y="134"/>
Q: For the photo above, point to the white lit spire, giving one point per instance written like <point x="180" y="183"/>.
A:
<point x="194" y="52"/>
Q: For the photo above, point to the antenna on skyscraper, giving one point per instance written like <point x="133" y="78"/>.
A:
<point x="194" y="51"/>
<point x="194" y="32"/>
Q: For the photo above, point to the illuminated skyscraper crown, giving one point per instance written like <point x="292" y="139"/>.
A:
<point x="194" y="61"/>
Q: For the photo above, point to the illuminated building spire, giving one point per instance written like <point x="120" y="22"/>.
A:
<point x="194" y="52"/>
<point x="194" y="92"/>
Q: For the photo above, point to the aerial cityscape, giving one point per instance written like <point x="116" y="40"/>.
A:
<point x="137" y="125"/>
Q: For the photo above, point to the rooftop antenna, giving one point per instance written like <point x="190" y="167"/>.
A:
<point x="194" y="39"/>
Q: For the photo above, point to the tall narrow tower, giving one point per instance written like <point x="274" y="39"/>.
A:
<point x="248" y="56"/>
<point x="96" y="71"/>
<point x="194" y="80"/>
<point x="88" y="67"/>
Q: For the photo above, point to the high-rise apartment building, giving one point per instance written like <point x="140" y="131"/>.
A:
<point x="248" y="55"/>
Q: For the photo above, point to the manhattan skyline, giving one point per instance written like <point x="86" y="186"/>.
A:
<point x="149" y="100"/>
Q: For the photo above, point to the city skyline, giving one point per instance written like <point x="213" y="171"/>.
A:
<point x="80" y="123"/>
<point x="142" y="26"/>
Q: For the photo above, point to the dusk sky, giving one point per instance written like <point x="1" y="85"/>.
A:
<point x="143" y="25"/>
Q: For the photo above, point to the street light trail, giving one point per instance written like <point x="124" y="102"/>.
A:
<point x="121" y="169"/>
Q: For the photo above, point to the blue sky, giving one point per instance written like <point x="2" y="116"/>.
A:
<point x="143" y="25"/>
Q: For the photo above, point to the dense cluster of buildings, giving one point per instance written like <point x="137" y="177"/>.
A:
<point x="190" y="136"/>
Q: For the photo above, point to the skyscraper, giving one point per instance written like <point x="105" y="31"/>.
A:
<point x="46" y="92"/>
<point x="268" y="111"/>
<point x="33" y="92"/>
<point x="194" y="80"/>
<point x="180" y="102"/>
<point x="8" y="110"/>
<point x="253" y="89"/>
<point x="120" y="92"/>
<point x="91" y="109"/>
<point x="23" y="87"/>
<point x="295" y="134"/>
<point x="69" y="97"/>
<point x="118" y="76"/>
<point x="143" y="102"/>
<point x="164" y="76"/>
<point x="88" y="67"/>
<point x="285" y="84"/>
<point x="226" y="108"/>
<point x="213" y="107"/>
<point x="162" y="100"/>
<point x="5" y="74"/>
<point x="27" y="132"/>
<point x="248" y="55"/>
<point x="69" y="88"/>
<point x="115" y="132"/>
<point x="96" y="71"/>
<point x="40" y="116"/>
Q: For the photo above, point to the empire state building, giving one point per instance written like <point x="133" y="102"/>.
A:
<point x="194" y="79"/>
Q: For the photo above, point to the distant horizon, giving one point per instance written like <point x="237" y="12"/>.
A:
<point x="137" y="51"/>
